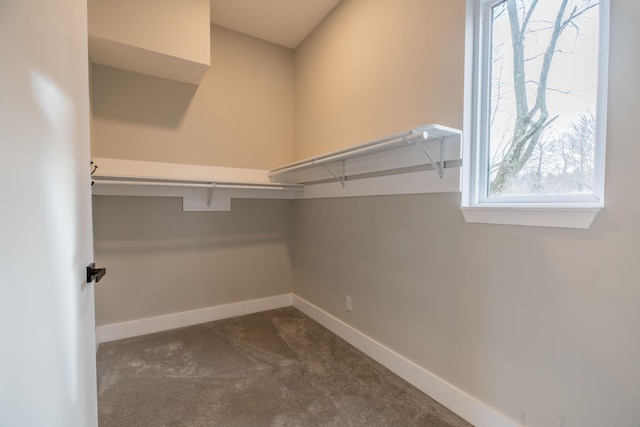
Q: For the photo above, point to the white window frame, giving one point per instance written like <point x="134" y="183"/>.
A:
<point x="548" y="211"/>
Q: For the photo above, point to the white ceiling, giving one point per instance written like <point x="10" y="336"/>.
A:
<point x="284" y="22"/>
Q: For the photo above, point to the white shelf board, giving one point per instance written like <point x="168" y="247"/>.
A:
<point x="132" y="58"/>
<point x="385" y="166"/>
<point x="388" y="166"/>
<point x="138" y="169"/>
<point x="202" y="188"/>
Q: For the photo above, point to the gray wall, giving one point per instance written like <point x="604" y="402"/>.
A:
<point x="241" y="114"/>
<point x="539" y="323"/>
<point x="161" y="260"/>
<point x="377" y="67"/>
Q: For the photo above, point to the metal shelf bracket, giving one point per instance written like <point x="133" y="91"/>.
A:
<point x="210" y="195"/>
<point x="342" y="178"/>
<point x="437" y="166"/>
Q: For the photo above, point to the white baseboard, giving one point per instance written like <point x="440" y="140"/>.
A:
<point x="456" y="400"/>
<point x="150" y="325"/>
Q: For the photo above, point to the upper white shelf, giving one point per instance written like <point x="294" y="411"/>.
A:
<point x="406" y="163"/>
<point x="169" y="39"/>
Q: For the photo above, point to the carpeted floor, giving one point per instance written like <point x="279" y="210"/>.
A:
<point x="277" y="368"/>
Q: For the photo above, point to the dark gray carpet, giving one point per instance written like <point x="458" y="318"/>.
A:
<point x="277" y="368"/>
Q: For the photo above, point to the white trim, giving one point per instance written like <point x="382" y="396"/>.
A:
<point x="603" y="96"/>
<point x="456" y="400"/>
<point x="537" y="216"/>
<point x="546" y="211"/>
<point x="150" y="325"/>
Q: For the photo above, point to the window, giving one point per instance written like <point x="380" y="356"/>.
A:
<point x="535" y="98"/>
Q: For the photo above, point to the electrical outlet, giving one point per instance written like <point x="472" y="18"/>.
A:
<point x="348" y="305"/>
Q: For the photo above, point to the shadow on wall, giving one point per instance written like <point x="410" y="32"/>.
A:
<point x="154" y="225"/>
<point x="139" y="98"/>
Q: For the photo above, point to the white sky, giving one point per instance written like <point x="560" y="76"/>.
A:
<point x="574" y="71"/>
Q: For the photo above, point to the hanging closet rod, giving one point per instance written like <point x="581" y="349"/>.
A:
<point x="385" y="172"/>
<point x="208" y="185"/>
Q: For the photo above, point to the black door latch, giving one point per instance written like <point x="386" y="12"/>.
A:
<point x="94" y="273"/>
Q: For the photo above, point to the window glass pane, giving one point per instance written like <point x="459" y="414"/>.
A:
<point x="542" y="104"/>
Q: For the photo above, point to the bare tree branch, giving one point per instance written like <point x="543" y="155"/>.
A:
<point x="530" y="120"/>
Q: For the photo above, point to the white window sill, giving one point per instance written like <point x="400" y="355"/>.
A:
<point x="536" y="216"/>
